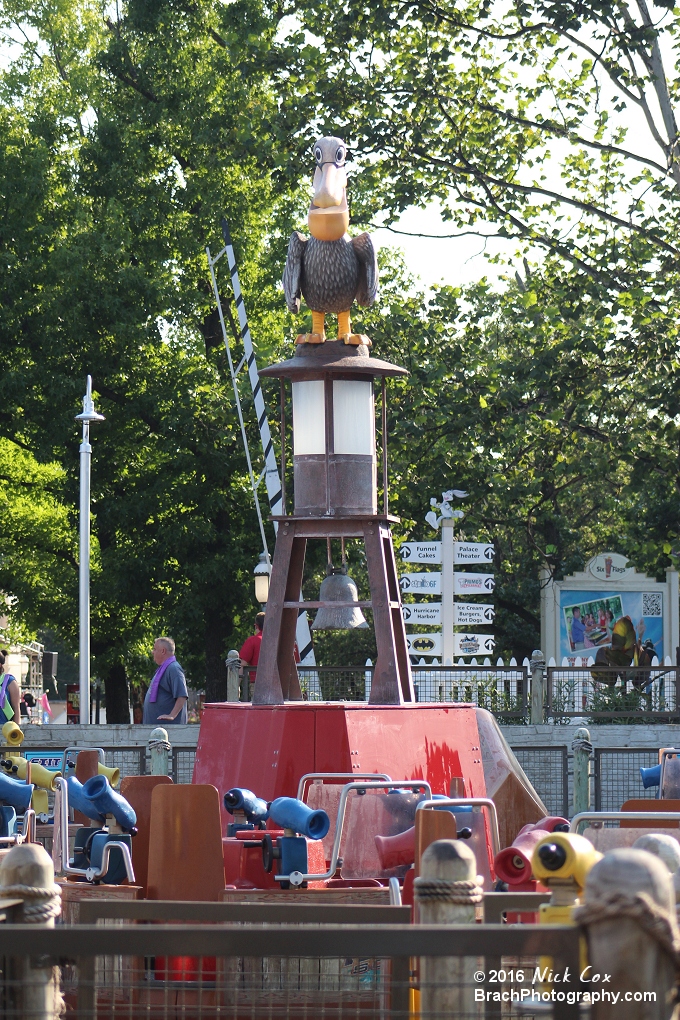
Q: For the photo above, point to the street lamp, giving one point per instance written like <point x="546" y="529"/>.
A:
<point x="262" y="572"/>
<point x="88" y="415"/>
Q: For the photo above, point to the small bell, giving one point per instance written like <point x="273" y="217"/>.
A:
<point x="338" y="587"/>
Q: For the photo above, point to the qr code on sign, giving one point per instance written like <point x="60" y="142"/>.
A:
<point x="651" y="603"/>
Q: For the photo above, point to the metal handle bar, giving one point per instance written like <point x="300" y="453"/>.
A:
<point x="92" y="873"/>
<point x="613" y="816"/>
<point x="338" y="775"/>
<point x="297" y="878"/>
<point x="27" y="835"/>
<point x="473" y="802"/>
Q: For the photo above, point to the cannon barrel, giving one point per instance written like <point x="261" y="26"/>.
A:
<point x="560" y="855"/>
<point x="12" y="734"/>
<point x="394" y="851"/>
<point x="40" y="776"/>
<point x="98" y="790"/>
<point x="78" y="800"/>
<point x="238" y="799"/>
<point x="650" y="777"/>
<point x="513" y="863"/>
<point x="15" y="794"/>
<point x="112" y="774"/>
<point x="290" y="813"/>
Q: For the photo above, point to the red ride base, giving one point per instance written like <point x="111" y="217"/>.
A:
<point x="267" y="748"/>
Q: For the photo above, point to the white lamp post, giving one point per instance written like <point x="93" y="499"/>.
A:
<point x="88" y="415"/>
<point x="262" y="572"/>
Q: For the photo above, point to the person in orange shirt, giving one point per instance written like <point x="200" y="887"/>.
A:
<point x="250" y="652"/>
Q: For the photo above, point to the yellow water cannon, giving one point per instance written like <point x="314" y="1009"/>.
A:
<point x="14" y="736"/>
<point x="113" y="775"/>
<point x="40" y="776"/>
<point x="563" y="858"/>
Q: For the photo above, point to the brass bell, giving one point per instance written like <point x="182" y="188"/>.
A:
<point x="337" y="586"/>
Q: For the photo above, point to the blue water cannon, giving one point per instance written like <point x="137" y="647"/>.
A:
<point x="99" y="791"/>
<point x="116" y="820"/>
<point x="293" y="816"/>
<point x="15" y="798"/>
<point x="650" y="777"/>
<point x="77" y="799"/>
<point x="249" y="811"/>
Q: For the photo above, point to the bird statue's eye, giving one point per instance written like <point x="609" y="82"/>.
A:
<point x="318" y="155"/>
<point x="340" y="154"/>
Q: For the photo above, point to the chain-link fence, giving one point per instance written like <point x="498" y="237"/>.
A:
<point x="547" y="769"/>
<point x="616" y="776"/>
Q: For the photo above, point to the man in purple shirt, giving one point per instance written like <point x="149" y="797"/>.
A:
<point x="166" y="698"/>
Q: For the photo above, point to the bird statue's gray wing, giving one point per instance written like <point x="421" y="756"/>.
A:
<point x="367" y="290"/>
<point x="293" y="270"/>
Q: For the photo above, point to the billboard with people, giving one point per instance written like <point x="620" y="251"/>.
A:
<point x="587" y="620"/>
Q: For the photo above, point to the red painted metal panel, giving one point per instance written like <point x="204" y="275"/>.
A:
<point x="267" y="748"/>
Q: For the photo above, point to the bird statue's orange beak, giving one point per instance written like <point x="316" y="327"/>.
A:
<point x="328" y="217"/>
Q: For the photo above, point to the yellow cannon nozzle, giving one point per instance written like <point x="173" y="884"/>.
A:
<point x="12" y="734"/>
<point x="563" y="855"/>
<point x="113" y="775"/>
<point x="40" y="776"/>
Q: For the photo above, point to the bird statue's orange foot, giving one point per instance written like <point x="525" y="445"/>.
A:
<point x="310" y="338"/>
<point x="355" y="339"/>
<point x="318" y="334"/>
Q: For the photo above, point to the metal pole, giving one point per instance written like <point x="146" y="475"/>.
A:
<point x="448" y="548"/>
<point x="88" y="415"/>
<point x="84" y="576"/>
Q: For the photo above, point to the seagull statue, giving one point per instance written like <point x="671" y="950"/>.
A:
<point x="330" y="269"/>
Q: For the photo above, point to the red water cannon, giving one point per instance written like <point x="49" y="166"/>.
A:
<point x="513" y="864"/>
<point x="395" y="851"/>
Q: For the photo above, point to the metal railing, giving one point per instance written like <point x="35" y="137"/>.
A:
<point x="601" y="693"/>
<point x="503" y="690"/>
<point x="269" y="970"/>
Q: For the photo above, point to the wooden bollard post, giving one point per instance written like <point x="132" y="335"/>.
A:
<point x="628" y="913"/>
<point x="582" y="748"/>
<point x="159" y="752"/>
<point x="446" y="893"/>
<point x="27" y="873"/>
<point x="233" y="666"/>
<point x="537" y="667"/>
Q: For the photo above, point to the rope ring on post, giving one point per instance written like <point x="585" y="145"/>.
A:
<point x="445" y="891"/>
<point x="46" y="901"/>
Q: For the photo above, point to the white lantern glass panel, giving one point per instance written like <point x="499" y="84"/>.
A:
<point x="262" y="587"/>
<point x="309" y="418"/>
<point x="353" y="417"/>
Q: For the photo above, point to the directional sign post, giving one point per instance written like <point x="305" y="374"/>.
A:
<point x="471" y="614"/>
<point x="424" y="644"/>
<point x="473" y="584"/>
<point x="422" y="584"/>
<point x="472" y="552"/>
<point x="474" y="644"/>
<point x="421" y="552"/>
<point x="423" y="613"/>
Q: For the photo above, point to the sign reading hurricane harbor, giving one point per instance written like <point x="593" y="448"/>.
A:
<point x="472" y="614"/>
<point x="423" y="613"/>
<point x="424" y="584"/>
<point x="473" y="584"/>
<point x="473" y="644"/>
<point x="431" y="552"/>
<point x="424" y="644"/>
